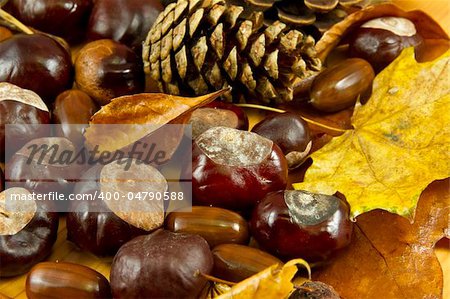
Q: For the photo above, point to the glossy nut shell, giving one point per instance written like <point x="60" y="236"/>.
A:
<point x="106" y="69"/>
<point x="235" y="263"/>
<point x="20" y="252"/>
<point x="215" y="225"/>
<point x="72" y="109"/>
<point x="338" y="87"/>
<point x="66" y="280"/>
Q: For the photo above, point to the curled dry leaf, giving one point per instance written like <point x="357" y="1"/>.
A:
<point x="435" y="37"/>
<point x="399" y="143"/>
<point x="398" y="257"/>
<point x="129" y="113"/>
<point x="273" y="282"/>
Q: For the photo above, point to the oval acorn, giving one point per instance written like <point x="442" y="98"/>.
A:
<point x="233" y="262"/>
<point x="340" y="86"/>
<point x="216" y="225"/>
<point x="66" y="280"/>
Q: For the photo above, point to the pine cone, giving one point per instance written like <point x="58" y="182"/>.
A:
<point x="198" y="46"/>
<point x="314" y="16"/>
<point x="321" y="14"/>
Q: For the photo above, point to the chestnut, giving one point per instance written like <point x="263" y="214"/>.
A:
<point x="102" y="225"/>
<point x="161" y="265"/>
<point x="26" y="111"/>
<point x="235" y="169"/>
<point x="72" y="110"/>
<point x="381" y="40"/>
<point x="65" y="18"/>
<point x="45" y="165"/>
<point x="299" y="224"/>
<point x="290" y="132"/>
<point x="36" y="62"/>
<point x="106" y="69"/>
<point x="340" y="86"/>
<point x="28" y="231"/>
<point x="216" y="225"/>
<point x="66" y="280"/>
<point x="235" y="263"/>
<point x="218" y="114"/>
<point x="125" y="21"/>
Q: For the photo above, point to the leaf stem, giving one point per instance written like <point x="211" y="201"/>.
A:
<point x="13" y="21"/>
<point x="308" y="120"/>
<point x="217" y="280"/>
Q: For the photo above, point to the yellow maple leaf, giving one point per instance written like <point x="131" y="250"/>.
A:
<point x="400" y="142"/>
<point x="273" y="282"/>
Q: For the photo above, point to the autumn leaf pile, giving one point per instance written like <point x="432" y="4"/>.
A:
<point x="400" y="141"/>
<point x="396" y="154"/>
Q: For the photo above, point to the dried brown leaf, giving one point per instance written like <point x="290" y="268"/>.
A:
<point x="391" y="258"/>
<point x="427" y="27"/>
<point x="151" y="109"/>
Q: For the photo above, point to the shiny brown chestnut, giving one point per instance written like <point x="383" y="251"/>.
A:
<point x="233" y="262"/>
<point x="26" y="237"/>
<point x="93" y="226"/>
<point x="381" y="40"/>
<point x="45" y="165"/>
<point x="218" y="114"/>
<point x="65" y="18"/>
<point x="125" y="21"/>
<point x="235" y="169"/>
<point x="66" y="280"/>
<point x="19" y="107"/>
<point x="72" y="110"/>
<point x="299" y="224"/>
<point x="217" y="226"/>
<point x="161" y="265"/>
<point x="106" y="69"/>
<point x="36" y="62"/>
<point x="290" y="132"/>
<point x="340" y="86"/>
